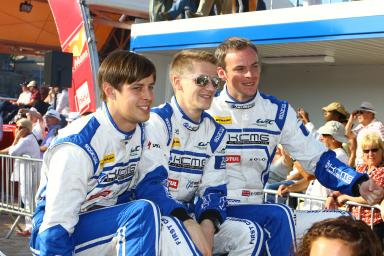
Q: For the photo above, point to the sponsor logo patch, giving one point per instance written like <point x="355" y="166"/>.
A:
<point x="202" y="145"/>
<point x="264" y="123"/>
<point x="100" y="194"/>
<point x="192" y="184"/>
<point x="220" y="162"/>
<point x="176" y="142"/>
<point x="135" y="151"/>
<point x="107" y="159"/>
<point x="172" y="183"/>
<point x="230" y="159"/>
<point x="152" y="145"/>
<point x="251" y="193"/>
<point x="248" y="138"/>
<point x="223" y="119"/>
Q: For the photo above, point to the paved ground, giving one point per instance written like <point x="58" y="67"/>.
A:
<point x="16" y="245"/>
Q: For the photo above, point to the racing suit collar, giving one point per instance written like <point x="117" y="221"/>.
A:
<point x="187" y="122"/>
<point x="235" y="104"/>
<point x="107" y="115"/>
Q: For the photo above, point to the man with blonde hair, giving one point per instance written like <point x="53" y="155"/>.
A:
<point x="187" y="147"/>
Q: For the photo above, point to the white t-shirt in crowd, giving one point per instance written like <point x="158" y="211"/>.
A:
<point x="24" y="97"/>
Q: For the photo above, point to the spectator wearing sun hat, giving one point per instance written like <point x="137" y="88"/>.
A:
<point x="334" y="111"/>
<point x="332" y="134"/>
<point x="365" y="115"/>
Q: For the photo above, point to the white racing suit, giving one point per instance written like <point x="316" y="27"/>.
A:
<point x="254" y="129"/>
<point x="192" y="155"/>
<point x="84" y="202"/>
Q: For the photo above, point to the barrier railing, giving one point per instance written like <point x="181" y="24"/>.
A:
<point x="313" y="199"/>
<point x="19" y="179"/>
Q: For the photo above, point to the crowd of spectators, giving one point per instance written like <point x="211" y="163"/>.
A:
<point x="38" y="114"/>
<point x="357" y="140"/>
<point x="161" y="10"/>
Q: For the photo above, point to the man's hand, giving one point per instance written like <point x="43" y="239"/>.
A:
<point x="301" y="114"/>
<point x="342" y="199"/>
<point x="330" y="203"/>
<point x="371" y="192"/>
<point x="198" y="237"/>
<point x="282" y="190"/>
<point x="209" y="231"/>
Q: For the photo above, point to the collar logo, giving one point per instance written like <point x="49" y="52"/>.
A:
<point x="190" y="127"/>
<point x="242" y="106"/>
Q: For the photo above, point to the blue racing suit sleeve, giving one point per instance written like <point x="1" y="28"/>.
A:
<point x="334" y="174"/>
<point x="315" y="157"/>
<point x="154" y="187"/>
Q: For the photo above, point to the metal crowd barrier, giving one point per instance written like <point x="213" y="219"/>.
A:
<point x="299" y="197"/>
<point x="19" y="180"/>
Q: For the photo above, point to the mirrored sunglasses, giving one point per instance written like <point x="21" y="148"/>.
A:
<point x="203" y="80"/>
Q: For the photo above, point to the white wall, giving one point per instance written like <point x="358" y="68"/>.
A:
<point x="313" y="87"/>
<point x="163" y="90"/>
<point x="309" y="86"/>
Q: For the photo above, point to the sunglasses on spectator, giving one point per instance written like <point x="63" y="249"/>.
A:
<point x="203" y="81"/>
<point x="373" y="150"/>
<point x="360" y="112"/>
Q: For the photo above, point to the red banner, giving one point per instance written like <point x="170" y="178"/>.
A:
<point x="70" y="26"/>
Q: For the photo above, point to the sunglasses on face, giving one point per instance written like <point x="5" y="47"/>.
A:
<point x="19" y="127"/>
<point x="360" y="112"/>
<point x="373" y="150"/>
<point x="203" y="81"/>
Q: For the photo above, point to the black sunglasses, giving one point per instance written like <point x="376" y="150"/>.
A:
<point x="203" y="81"/>
<point x="374" y="150"/>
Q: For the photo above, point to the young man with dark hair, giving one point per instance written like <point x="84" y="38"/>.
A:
<point x="85" y="204"/>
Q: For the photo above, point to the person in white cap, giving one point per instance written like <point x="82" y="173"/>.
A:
<point x="35" y="93"/>
<point x="72" y="116"/>
<point x="38" y="125"/>
<point x="52" y="121"/>
<point x="365" y="115"/>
